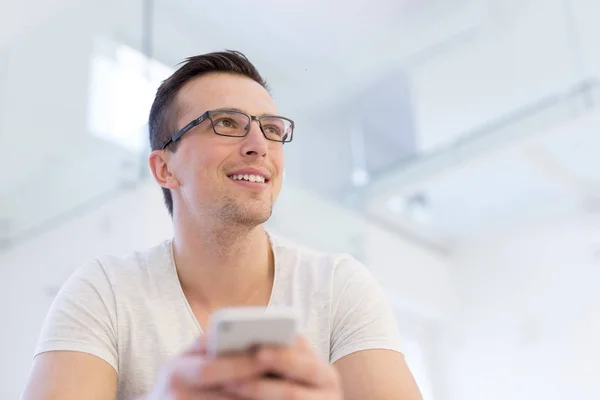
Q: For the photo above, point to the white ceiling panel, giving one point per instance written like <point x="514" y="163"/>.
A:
<point x="491" y="193"/>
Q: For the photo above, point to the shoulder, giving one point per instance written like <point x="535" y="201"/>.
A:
<point x="341" y="267"/>
<point x="120" y="273"/>
<point x="135" y="265"/>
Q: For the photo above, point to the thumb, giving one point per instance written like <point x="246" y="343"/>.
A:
<point x="198" y="346"/>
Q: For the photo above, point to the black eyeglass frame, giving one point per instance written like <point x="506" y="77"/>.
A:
<point x="208" y="115"/>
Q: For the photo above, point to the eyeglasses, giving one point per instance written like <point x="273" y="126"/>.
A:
<point x="237" y="124"/>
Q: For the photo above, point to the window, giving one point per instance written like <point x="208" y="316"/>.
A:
<point x="122" y="87"/>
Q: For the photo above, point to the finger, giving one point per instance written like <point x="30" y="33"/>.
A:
<point x="300" y="366"/>
<point x="272" y="389"/>
<point x="201" y="373"/>
<point x="216" y="395"/>
<point x="303" y="345"/>
<point x="198" y="346"/>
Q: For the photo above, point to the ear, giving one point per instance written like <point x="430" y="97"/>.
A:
<point x="159" y="165"/>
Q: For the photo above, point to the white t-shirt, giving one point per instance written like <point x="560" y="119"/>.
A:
<point x="132" y="313"/>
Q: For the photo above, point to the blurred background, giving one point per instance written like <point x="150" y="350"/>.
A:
<point x="451" y="145"/>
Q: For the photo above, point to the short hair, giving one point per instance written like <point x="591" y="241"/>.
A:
<point x="162" y="121"/>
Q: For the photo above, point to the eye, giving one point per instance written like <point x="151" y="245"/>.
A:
<point x="272" y="130"/>
<point x="225" y="123"/>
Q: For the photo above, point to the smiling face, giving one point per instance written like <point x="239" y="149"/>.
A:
<point x="220" y="176"/>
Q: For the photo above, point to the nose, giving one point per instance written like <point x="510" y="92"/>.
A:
<point x="255" y="143"/>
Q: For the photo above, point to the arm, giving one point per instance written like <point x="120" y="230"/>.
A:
<point x="366" y="348"/>
<point x="76" y="355"/>
<point x="70" y="375"/>
<point x="377" y="375"/>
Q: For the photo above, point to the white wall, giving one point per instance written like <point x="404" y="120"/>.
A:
<point x="31" y="271"/>
<point x="528" y="326"/>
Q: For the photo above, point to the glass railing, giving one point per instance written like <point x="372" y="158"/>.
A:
<point x="76" y="89"/>
<point x="527" y="122"/>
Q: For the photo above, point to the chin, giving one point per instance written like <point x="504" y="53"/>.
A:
<point x="258" y="217"/>
<point x="249" y="214"/>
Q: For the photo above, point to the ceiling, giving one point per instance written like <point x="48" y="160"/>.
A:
<point x="378" y="91"/>
<point x="502" y="179"/>
<point x="315" y="53"/>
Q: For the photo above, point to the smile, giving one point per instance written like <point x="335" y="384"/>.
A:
<point x="249" y="178"/>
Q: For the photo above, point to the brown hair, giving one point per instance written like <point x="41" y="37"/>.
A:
<point x="162" y="121"/>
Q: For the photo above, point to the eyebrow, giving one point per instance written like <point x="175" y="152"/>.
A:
<point x="246" y="112"/>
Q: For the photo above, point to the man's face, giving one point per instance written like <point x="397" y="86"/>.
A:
<point x="207" y="167"/>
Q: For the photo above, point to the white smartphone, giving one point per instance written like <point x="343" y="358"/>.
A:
<point x="241" y="329"/>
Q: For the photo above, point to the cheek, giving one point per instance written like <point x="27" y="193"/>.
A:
<point x="196" y="169"/>
<point x="206" y="169"/>
<point x="278" y="161"/>
<point x="204" y="159"/>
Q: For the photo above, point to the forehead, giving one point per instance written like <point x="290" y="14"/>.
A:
<point x="223" y="90"/>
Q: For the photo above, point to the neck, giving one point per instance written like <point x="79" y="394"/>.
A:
<point x="220" y="264"/>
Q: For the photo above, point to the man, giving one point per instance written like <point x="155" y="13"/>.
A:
<point x="132" y="327"/>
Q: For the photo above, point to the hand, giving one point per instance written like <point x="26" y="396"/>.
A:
<point x="301" y="375"/>
<point x="194" y="376"/>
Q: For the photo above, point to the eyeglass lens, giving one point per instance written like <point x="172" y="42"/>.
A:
<point x="233" y="123"/>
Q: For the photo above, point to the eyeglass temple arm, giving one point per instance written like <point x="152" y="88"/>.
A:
<point x="184" y="130"/>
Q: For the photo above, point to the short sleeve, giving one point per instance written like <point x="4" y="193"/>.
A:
<point x="82" y="317"/>
<point x="362" y="316"/>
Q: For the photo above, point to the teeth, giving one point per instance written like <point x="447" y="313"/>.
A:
<point x="248" y="177"/>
